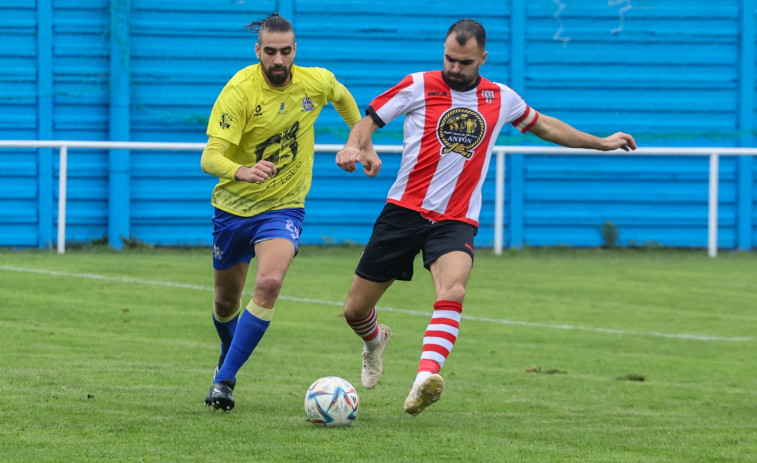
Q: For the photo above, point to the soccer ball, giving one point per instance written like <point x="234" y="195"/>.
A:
<point x="332" y="402"/>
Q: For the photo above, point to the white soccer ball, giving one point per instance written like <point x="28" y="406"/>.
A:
<point x="332" y="402"/>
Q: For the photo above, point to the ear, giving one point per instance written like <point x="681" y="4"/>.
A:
<point x="483" y="56"/>
<point x="257" y="50"/>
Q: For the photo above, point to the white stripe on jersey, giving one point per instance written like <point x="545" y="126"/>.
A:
<point x="410" y="146"/>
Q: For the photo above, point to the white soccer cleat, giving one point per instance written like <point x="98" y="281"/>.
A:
<point x="373" y="365"/>
<point x="424" y="394"/>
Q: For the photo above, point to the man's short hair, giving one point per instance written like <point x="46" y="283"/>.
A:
<point x="271" y="23"/>
<point x="464" y="29"/>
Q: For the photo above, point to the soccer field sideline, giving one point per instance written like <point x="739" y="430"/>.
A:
<point x="91" y="276"/>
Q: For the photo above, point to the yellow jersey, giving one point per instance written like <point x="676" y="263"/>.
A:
<point x="275" y="124"/>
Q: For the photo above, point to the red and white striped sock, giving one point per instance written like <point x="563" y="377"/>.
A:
<point x="367" y="328"/>
<point x="440" y="336"/>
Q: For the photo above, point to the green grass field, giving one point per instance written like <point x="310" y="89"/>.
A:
<point x="107" y="356"/>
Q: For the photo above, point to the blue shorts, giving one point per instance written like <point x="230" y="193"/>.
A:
<point x="234" y="236"/>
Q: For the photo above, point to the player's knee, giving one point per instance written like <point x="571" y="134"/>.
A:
<point x="225" y="306"/>
<point x="268" y="286"/>
<point x="454" y="293"/>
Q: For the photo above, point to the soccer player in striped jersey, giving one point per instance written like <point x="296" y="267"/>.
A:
<point x="452" y="119"/>
<point x="261" y="147"/>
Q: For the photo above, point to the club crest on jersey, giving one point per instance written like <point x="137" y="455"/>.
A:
<point x="460" y="130"/>
<point x="225" y="122"/>
<point x="488" y="95"/>
<point x="307" y="105"/>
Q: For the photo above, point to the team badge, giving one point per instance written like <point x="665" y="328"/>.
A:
<point x="488" y="95"/>
<point x="225" y="122"/>
<point x="307" y="104"/>
<point x="460" y="130"/>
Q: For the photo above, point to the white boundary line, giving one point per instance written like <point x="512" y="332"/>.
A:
<point x="92" y="276"/>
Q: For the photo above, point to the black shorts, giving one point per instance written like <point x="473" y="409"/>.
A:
<point x="399" y="234"/>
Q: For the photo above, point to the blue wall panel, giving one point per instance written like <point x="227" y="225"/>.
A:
<point x="671" y="73"/>
<point x="18" y="100"/>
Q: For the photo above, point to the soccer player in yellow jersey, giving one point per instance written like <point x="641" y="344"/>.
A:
<point x="261" y="147"/>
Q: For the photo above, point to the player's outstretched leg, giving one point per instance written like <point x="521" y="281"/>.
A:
<point x="423" y="394"/>
<point x="373" y="365"/>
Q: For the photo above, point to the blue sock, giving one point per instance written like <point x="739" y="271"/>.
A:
<point x="226" y="333"/>
<point x="250" y="331"/>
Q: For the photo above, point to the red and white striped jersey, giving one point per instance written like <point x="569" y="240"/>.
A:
<point x="449" y="137"/>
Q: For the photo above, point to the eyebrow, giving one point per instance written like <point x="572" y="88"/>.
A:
<point x="274" y="49"/>
<point x="461" y="61"/>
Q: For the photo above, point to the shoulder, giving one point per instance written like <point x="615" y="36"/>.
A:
<point x="246" y="77"/>
<point x="487" y="84"/>
<point x="314" y="74"/>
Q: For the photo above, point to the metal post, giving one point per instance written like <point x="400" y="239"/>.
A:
<point x="712" y="229"/>
<point x="62" y="185"/>
<point x="499" y="203"/>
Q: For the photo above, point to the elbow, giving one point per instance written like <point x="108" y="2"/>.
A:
<point x="205" y="164"/>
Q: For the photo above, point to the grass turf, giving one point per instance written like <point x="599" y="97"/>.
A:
<point x="107" y="356"/>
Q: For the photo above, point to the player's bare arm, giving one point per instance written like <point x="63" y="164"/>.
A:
<point x="359" y="148"/>
<point x="556" y="131"/>
<point x="257" y="173"/>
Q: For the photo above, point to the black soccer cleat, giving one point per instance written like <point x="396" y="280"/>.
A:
<point x="219" y="396"/>
<point x="209" y="399"/>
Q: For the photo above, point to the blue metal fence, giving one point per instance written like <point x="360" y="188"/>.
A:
<point x="671" y="73"/>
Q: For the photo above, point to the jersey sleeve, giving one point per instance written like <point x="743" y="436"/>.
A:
<point x="396" y="101"/>
<point x="227" y="118"/>
<point x="345" y="104"/>
<point x="517" y="112"/>
<point x="214" y="160"/>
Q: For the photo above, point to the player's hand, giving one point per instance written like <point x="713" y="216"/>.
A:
<point x="257" y="173"/>
<point x="348" y="158"/>
<point x="370" y="161"/>
<point x="618" y="140"/>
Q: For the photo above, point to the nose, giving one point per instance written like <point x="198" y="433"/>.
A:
<point x="278" y="59"/>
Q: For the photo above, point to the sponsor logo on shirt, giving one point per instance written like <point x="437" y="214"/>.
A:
<point x="225" y="122"/>
<point x="258" y="111"/>
<point x="460" y="130"/>
<point x="488" y="95"/>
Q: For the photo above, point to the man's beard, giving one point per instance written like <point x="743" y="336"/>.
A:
<point x="458" y="84"/>
<point x="277" y="79"/>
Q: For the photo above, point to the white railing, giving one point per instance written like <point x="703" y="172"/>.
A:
<point x="500" y="152"/>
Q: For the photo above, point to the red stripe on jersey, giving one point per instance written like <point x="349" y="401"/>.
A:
<point x="419" y="179"/>
<point x="381" y="100"/>
<point x="459" y="202"/>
